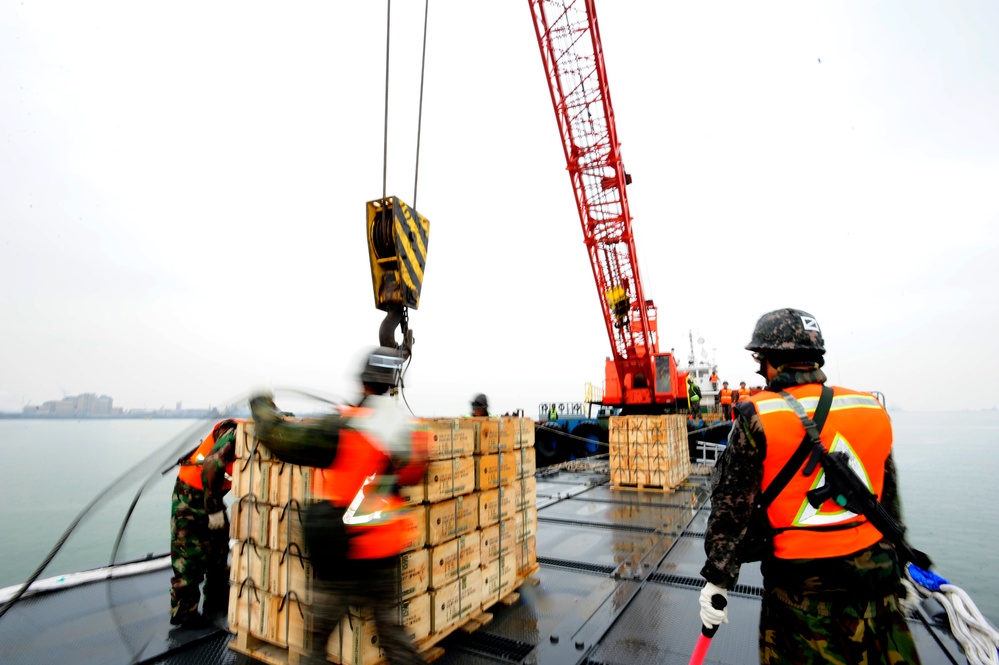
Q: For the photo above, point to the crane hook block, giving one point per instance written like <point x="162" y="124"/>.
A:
<point x="397" y="245"/>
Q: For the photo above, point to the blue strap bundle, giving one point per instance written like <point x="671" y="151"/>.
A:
<point x="925" y="578"/>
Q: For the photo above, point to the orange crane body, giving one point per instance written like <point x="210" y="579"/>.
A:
<point x="638" y="378"/>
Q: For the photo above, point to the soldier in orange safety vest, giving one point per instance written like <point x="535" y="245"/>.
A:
<point x="743" y="393"/>
<point x="725" y="399"/>
<point x="830" y="578"/>
<point x="199" y="534"/>
<point x="355" y="536"/>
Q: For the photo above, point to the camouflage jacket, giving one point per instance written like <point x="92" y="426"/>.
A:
<point x="214" y="469"/>
<point x="737" y="480"/>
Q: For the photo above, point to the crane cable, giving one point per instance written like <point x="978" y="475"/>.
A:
<point x="419" y="110"/>
<point x="978" y="638"/>
<point x="416" y="168"/>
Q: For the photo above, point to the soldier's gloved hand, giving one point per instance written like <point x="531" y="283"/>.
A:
<point x="216" y="520"/>
<point x="711" y="616"/>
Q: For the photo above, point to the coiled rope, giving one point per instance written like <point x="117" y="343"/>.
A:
<point x="978" y="637"/>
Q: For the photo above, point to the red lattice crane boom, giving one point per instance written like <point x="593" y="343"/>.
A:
<point x="638" y="377"/>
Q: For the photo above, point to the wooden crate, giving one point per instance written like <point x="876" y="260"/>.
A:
<point x="499" y="578"/>
<point x="496" y="504"/>
<point x="251" y="477"/>
<point x="453" y="559"/>
<point x="497" y="540"/>
<point x="649" y="452"/>
<point x="290" y="572"/>
<point x="285" y="527"/>
<point x="487" y="437"/>
<point x="527" y="523"/>
<point x="414" y="573"/>
<point x="526" y="556"/>
<point x="456" y="601"/>
<point x="247" y="445"/>
<point x="355" y="641"/>
<point x="494" y="470"/>
<point x="247" y="611"/>
<point x="515" y="431"/>
<point x="291" y="482"/>
<point x="527" y="462"/>
<point x="251" y="562"/>
<point x="250" y="520"/>
<point x="446" y="479"/>
<point x="451" y="437"/>
<point x="525" y="492"/>
<point x="450" y="519"/>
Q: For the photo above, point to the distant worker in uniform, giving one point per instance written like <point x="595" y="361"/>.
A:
<point x="830" y="578"/>
<point x="744" y="392"/>
<point x="693" y="397"/>
<point x="714" y="379"/>
<point x="553" y="412"/>
<point x="355" y="536"/>
<point x="480" y="406"/>
<point x="199" y="529"/>
<point x="725" y="399"/>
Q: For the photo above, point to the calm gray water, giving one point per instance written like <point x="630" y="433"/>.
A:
<point x="948" y="465"/>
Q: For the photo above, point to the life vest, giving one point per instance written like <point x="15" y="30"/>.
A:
<point x="743" y="394"/>
<point x="725" y="396"/>
<point x="858" y="425"/>
<point x="190" y="469"/>
<point x="378" y="521"/>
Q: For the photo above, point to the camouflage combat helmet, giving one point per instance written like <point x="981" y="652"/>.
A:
<point x="787" y="330"/>
<point x="480" y="402"/>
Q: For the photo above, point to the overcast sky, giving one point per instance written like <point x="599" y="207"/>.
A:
<point x="183" y="188"/>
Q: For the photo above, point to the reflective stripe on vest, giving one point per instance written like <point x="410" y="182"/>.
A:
<point x="380" y="524"/>
<point x="857" y="425"/>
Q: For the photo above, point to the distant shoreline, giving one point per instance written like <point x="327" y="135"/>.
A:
<point x="184" y="415"/>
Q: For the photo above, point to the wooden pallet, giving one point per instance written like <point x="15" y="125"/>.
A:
<point x="271" y="654"/>
<point x="265" y="652"/>
<point x="640" y="487"/>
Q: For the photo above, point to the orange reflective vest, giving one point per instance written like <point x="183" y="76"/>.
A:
<point x="725" y="395"/>
<point x="858" y="425"/>
<point x="743" y="394"/>
<point x="379" y="522"/>
<point x="190" y="469"/>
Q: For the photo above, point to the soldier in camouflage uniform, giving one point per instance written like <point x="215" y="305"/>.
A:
<point x="199" y="546"/>
<point x="838" y="609"/>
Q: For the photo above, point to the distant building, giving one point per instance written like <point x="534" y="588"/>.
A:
<point x="90" y="405"/>
<point x="79" y="406"/>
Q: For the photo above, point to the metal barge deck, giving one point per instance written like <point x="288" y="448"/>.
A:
<point x="618" y="585"/>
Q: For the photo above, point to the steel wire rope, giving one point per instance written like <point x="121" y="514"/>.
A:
<point x="388" y="40"/>
<point x="416" y="169"/>
<point x="135" y="653"/>
<point x="174" y="446"/>
<point x="228" y="412"/>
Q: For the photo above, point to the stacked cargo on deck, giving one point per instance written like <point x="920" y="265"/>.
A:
<point x="648" y="452"/>
<point x="476" y="542"/>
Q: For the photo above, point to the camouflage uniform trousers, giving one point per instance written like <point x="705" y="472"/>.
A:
<point x="198" y="554"/>
<point x="371" y="584"/>
<point x="802" y="629"/>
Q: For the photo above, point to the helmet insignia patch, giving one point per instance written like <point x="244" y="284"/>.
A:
<point x="810" y="323"/>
